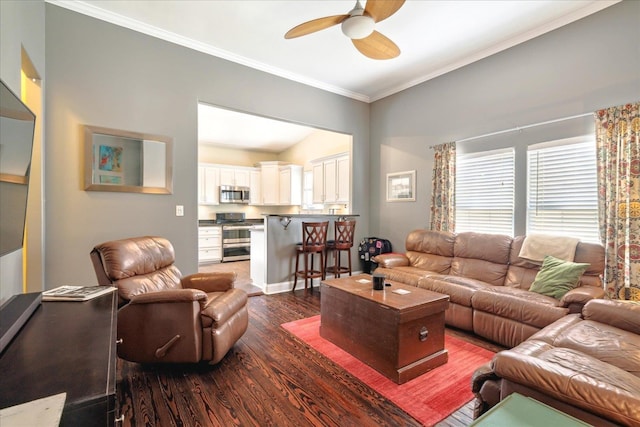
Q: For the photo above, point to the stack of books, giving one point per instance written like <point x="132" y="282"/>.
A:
<point x="76" y="293"/>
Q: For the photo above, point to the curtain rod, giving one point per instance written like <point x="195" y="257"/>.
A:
<point x="519" y="128"/>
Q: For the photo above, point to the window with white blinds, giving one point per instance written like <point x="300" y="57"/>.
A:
<point x="562" y="189"/>
<point x="307" y="192"/>
<point x="484" y="192"/>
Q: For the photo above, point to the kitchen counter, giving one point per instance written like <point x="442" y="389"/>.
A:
<point x="212" y="222"/>
<point x="257" y="262"/>
<point x="282" y="232"/>
<point x="314" y="215"/>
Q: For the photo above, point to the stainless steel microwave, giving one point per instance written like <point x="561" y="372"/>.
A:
<point x="231" y="194"/>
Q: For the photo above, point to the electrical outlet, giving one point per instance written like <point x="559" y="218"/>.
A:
<point x="179" y="210"/>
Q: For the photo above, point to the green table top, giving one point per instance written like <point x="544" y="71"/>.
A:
<point x="521" y="411"/>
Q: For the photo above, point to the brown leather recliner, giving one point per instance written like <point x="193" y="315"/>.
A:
<point x="164" y="317"/>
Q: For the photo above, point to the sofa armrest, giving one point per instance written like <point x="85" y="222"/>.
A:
<point x="174" y="295"/>
<point x="225" y="306"/>
<point x="162" y="326"/>
<point x="391" y="260"/>
<point x="485" y="385"/>
<point x="480" y="375"/>
<point x="210" y="282"/>
<point x="621" y="314"/>
<point x="574" y="378"/>
<point x="576" y="298"/>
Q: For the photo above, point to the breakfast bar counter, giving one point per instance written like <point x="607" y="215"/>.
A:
<point x="282" y="233"/>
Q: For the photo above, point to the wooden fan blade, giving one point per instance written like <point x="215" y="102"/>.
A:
<point x="382" y="9"/>
<point x="314" y="25"/>
<point x="377" y="46"/>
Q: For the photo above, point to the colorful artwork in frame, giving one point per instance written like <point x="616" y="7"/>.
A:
<point x="110" y="158"/>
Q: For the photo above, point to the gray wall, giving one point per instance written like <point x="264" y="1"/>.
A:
<point x="101" y="74"/>
<point x="590" y="64"/>
<point x="21" y="26"/>
<point x="104" y="75"/>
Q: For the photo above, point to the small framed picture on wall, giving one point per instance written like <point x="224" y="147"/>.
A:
<point x="401" y="186"/>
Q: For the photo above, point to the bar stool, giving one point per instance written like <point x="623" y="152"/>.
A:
<point x="343" y="234"/>
<point x="314" y="240"/>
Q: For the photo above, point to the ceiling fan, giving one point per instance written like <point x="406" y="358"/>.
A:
<point x="358" y="25"/>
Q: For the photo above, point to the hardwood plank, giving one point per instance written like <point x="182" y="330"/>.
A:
<point x="242" y="269"/>
<point x="269" y="378"/>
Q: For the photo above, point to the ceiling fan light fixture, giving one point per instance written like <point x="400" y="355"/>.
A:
<point x="358" y="26"/>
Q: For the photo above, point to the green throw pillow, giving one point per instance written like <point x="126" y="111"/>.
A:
<point x="557" y="277"/>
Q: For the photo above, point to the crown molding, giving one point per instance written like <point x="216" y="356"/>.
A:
<point x="135" y="25"/>
<point x="150" y="30"/>
<point x="589" y="9"/>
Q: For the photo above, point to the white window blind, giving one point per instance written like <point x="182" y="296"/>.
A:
<point x="562" y="189"/>
<point x="484" y="192"/>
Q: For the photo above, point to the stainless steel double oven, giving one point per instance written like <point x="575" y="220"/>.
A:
<point x="236" y="236"/>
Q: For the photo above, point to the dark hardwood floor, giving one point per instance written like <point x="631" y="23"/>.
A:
<point x="243" y="271"/>
<point x="269" y="378"/>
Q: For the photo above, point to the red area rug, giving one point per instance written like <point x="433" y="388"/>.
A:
<point x="428" y="398"/>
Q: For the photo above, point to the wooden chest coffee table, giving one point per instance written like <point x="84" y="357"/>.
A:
<point x="401" y="336"/>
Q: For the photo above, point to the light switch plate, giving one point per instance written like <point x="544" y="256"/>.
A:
<point x="179" y="210"/>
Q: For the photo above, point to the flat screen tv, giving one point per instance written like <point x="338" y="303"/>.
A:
<point x="17" y="125"/>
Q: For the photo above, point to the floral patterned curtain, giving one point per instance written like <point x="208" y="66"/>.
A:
<point x="618" y="156"/>
<point x="443" y="188"/>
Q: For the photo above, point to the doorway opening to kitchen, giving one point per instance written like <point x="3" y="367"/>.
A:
<point x="251" y="166"/>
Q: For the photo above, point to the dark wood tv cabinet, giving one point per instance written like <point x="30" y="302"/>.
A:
<point x="66" y="347"/>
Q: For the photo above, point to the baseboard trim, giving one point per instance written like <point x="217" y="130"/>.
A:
<point x="277" y="288"/>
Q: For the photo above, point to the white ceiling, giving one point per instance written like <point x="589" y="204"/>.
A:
<point x="222" y="127"/>
<point x="434" y="36"/>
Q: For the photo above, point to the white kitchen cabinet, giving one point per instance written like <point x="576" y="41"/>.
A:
<point x="255" y="187"/>
<point x="227" y="176"/>
<point x="208" y="185"/>
<point x="281" y="183"/>
<point x="243" y="177"/>
<point x="332" y="179"/>
<point x="209" y="244"/>
<point x="343" y="179"/>
<point x="290" y="185"/>
<point x="237" y="177"/>
<point x="270" y="177"/>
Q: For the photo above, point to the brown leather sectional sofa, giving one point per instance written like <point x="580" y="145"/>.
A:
<point x="488" y="283"/>
<point x="585" y="365"/>
<point x="579" y="354"/>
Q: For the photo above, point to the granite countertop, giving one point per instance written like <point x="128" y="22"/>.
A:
<point x="306" y="215"/>
<point x="212" y="222"/>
